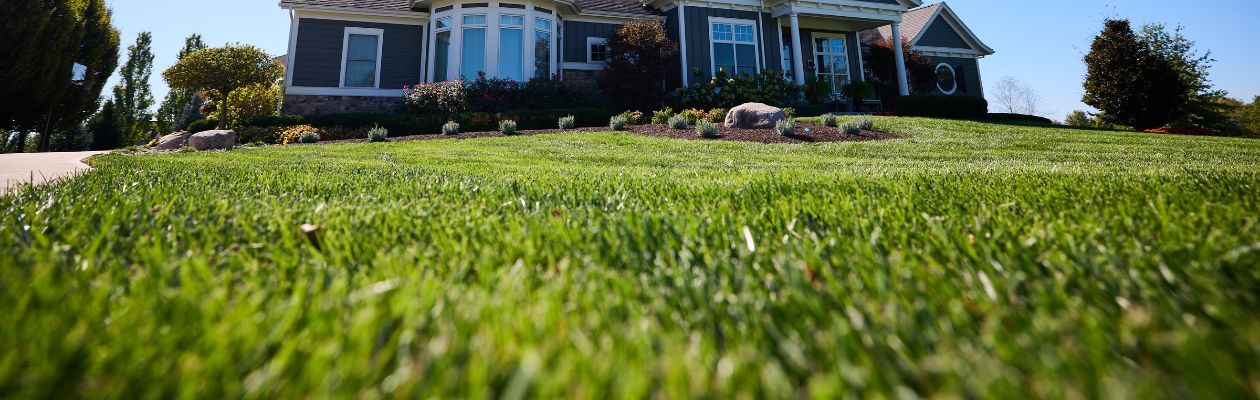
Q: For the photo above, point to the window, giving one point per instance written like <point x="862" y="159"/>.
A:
<point x="473" y="48"/>
<point x="945" y="79"/>
<point x="511" y="47"/>
<point x="596" y="49"/>
<point x="734" y="46"/>
<point x="542" y="47"/>
<point x="441" y="49"/>
<point x="832" y="61"/>
<point x="361" y="56"/>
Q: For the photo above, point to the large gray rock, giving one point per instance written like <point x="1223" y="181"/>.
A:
<point x="754" y="116"/>
<point x="173" y="141"/>
<point x="213" y="140"/>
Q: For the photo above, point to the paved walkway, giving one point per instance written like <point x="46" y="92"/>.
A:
<point x="18" y="168"/>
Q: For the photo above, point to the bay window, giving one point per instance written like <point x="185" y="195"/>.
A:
<point x="542" y="47"/>
<point x="441" y="49"/>
<point x="733" y="45"/>
<point x="502" y="40"/>
<point x="473" y="50"/>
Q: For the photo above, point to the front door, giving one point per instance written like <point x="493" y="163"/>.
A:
<point x="831" y="57"/>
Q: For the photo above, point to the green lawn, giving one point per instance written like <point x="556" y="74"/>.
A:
<point x="967" y="260"/>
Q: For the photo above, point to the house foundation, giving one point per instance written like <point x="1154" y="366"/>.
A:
<point x="311" y="105"/>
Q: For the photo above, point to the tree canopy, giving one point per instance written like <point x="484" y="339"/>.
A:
<point x="133" y="97"/>
<point x="640" y="58"/>
<point x="223" y="70"/>
<point x="181" y="106"/>
<point x="920" y="74"/>
<point x="1129" y="83"/>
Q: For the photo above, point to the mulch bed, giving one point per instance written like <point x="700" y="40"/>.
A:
<point x="817" y="133"/>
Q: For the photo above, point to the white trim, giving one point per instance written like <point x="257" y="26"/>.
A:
<point x="682" y="41"/>
<point x="977" y="47"/>
<point x="798" y="59"/>
<point x="383" y="17"/>
<point x="733" y="42"/>
<point x="590" y="41"/>
<point x="338" y="91"/>
<point x="345" y="52"/>
<point x="861" y="64"/>
<point x="948" y="52"/>
<point x="584" y="66"/>
<point x="424" y="53"/>
<point x="288" y="59"/>
<point x="937" y="70"/>
<point x="814" y="8"/>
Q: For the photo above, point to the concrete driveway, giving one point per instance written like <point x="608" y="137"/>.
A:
<point x="19" y="168"/>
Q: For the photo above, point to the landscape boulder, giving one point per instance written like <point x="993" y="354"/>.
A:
<point x="173" y="141"/>
<point x="754" y="116"/>
<point x="213" y="140"/>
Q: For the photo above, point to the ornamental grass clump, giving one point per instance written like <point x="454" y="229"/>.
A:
<point x="567" y="122"/>
<point x="450" y="128"/>
<point x="308" y="137"/>
<point x="617" y="123"/>
<point x="507" y="127"/>
<point x="829" y="120"/>
<point x="678" y="122"/>
<point x="377" y="134"/>
<point x="866" y="124"/>
<point x="785" y="127"/>
<point x="706" y="129"/>
<point x="851" y="128"/>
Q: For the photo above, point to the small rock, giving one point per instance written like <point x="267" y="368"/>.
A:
<point x="213" y="140"/>
<point x="173" y="141"/>
<point x="754" y="116"/>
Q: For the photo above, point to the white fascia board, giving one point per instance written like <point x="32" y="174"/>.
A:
<point x="354" y="15"/>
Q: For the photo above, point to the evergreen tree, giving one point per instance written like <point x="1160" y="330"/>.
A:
<point x="1131" y="84"/>
<point x="1206" y="106"/>
<point x="132" y="96"/>
<point x="105" y="129"/>
<point x="181" y="106"/>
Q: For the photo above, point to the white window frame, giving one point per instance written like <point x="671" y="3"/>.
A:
<point x="591" y="41"/>
<point x="848" y="60"/>
<point x="493" y="26"/>
<point x="733" y="21"/>
<point x="345" y="54"/>
<point x="938" y="80"/>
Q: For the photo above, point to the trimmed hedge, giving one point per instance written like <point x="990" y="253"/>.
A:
<point x="936" y="106"/>
<point x="431" y="124"/>
<point x="1007" y="117"/>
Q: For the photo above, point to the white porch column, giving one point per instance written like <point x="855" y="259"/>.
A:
<point x="682" y="42"/>
<point x="902" y="85"/>
<point x="798" y="61"/>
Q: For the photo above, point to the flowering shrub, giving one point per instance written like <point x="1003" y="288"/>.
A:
<point x="633" y="117"/>
<point x="493" y="94"/>
<point x="692" y="115"/>
<point x="294" y="133"/>
<point x="722" y="90"/>
<point x="716" y="115"/>
<point x="443" y="97"/>
<point x="1182" y="130"/>
<point x="663" y="116"/>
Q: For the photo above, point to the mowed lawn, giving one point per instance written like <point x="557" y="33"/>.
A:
<point x="966" y="260"/>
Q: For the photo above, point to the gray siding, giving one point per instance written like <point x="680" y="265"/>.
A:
<point x="317" y="61"/>
<point x="698" y="51"/>
<point x="940" y="34"/>
<point x="575" y="34"/>
<point x="966" y="71"/>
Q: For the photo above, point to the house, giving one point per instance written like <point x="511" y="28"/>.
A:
<point x="356" y="55"/>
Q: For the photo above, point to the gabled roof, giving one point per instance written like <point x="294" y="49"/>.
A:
<point x="599" y="7"/>
<point x="915" y="23"/>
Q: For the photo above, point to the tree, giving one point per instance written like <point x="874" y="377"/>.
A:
<point x="223" y="70"/>
<point x="920" y="74"/>
<point x="1248" y="117"/>
<point x="104" y="128"/>
<point x="1129" y="83"/>
<point x="181" y="106"/>
<point x="1206" y="107"/>
<point x="40" y="50"/>
<point x="132" y="96"/>
<point x="640" y="58"/>
<point x="1012" y="96"/>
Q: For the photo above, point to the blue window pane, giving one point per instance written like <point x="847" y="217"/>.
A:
<point x="441" y="56"/>
<point x="362" y="48"/>
<point x="474" y="20"/>
<point x="511" y="57"/>
<point x="544" y="24"/>
<point x="360" y="65"/>
<point x="724" y="58"/>
<point x="722" y="32"/>
<point x="542" y="54"/>
<point x="746" y="56"/>
<point x="744" y="33"/>
<point x="443" y="23"/>
<point x="514" y="20"/>
<point x="361" y="73"/>
<point x="473" y="52"/>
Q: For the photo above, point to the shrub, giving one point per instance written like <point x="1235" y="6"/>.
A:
<point x="716" y="115"/>
<point x="410" y="124"/>
<point x="706" y="129"/>
<point x="293" y="134"/>
<point x="493" y="94"/>
<point x="566" y="122"/>
<point x="309" y="137"/>
<point x="857" y="92"/>
<point x="866" y="124"/>
<point x="934" y="106"/>
<point x="829" y="119"/>
<point x="786" y="126"/>
<point x="265" y="134"/>
<point x="789" y="112"/>
<point x="663" y="116"/>
<point x="507" y="127"/>
<point x="641" y="57"/>
<point x="692" y="115"/>
<point x="677" y="122"/>
<point x="443" y="97"/>
<point x="450" y="128"/>
<point x="724" y="90"/>
<point x="617" y="123"/>
<point x="633" y="117"/>
<point x="850" y="128"/>
<point x="187" y="149"/>
<point x="203" y="125"/>
<point x="818" y="91"/>
<point x="377" y="134"/>
<point x="1007" y="117"/>
<point x="253" y="101"/>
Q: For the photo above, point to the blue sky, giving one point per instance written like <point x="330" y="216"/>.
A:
<point x="1041" y="43"/>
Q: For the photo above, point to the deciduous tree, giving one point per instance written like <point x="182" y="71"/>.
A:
<point x="181" y="106"/>
<point x="1131" y="84"/>
<point x="640" y="58"/>
<point x="1012" y="96"/>
<point x="1206" y="106"/>
<point x="223" y="70"/>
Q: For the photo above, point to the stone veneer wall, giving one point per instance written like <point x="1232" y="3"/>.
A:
<point x="311" y="105"/>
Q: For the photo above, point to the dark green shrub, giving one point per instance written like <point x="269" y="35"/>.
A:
<point x="725" y="91"/>
<point x="309" y="137"/>
<point x="203" y="125"/>
<point x="1006" y="117"/>
<point x="935" y="106"/>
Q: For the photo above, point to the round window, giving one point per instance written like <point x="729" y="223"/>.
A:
<point x="945" y="80"/>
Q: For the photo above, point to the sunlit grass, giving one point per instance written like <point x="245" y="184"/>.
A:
<point x="968" y="260"/>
